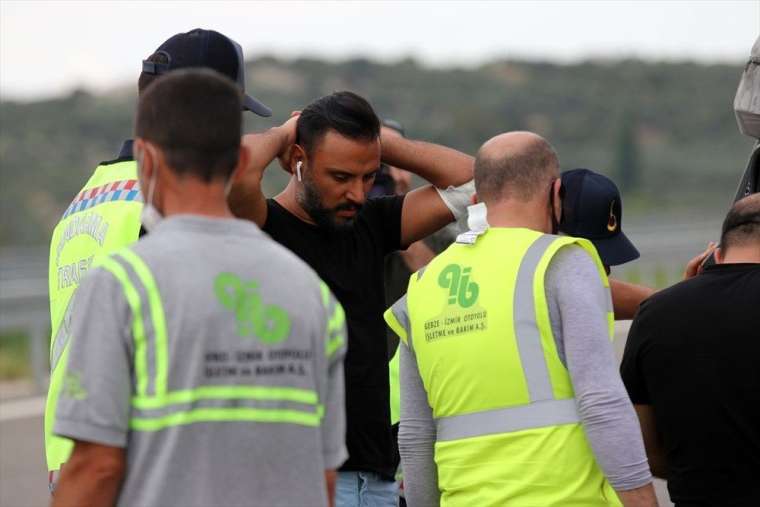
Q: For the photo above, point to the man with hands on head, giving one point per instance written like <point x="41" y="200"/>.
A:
<point x="333" y="150"/>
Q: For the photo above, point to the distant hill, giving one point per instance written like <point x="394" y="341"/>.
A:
<point x="665" y="131"/>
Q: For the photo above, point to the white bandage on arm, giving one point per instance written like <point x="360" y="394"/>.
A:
<point x="457" y="198"/>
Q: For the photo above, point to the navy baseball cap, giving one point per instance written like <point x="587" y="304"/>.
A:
<point x="592" y="209"/>
<point x="207" y="48"/>
<point x="395" y="125"/>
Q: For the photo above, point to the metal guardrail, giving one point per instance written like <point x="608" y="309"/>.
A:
<point x="24" y="304"/>
<point x="24" y="301"/>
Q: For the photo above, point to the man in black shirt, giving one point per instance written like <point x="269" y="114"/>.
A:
<point x="691" y="369"/>
<point x="333" y="150"/>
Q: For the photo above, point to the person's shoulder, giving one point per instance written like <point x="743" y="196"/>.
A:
<point x="104" y="276"/>
<point x="383" y="205"/>
<point x="665" y="298"/>
<point x="657" y="311"/>
<point x="571" y="260"/>
<point x="279" y="221"/>
<point x="572" y="253"/>
<point x="151" y="243"/>
<point x="274" y="211"/>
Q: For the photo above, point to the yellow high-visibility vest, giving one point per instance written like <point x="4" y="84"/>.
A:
<point x="104" y="217"/>
<point x="393" y="378"/>
<point x="508" y="431"/>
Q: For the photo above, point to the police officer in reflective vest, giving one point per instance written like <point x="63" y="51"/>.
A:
<point x="105" y="214"/>
<point x="510" y="393"/>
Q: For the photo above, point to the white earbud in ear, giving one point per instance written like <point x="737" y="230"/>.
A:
<point x="298" y="170"/>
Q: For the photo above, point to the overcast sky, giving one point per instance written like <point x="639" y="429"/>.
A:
<point x="48" y="48"/>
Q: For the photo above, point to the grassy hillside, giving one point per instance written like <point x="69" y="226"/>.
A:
<point x="665" y="131"/>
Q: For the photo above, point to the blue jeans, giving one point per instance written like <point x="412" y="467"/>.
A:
<point x="365" y="489"/>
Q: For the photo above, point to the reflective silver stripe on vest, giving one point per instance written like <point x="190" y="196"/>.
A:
<point x="527" y="334"/>
<point x="61" y="338"/>
<point x="401" y="313"/>
<point x="608" y="303"/>
<point x="505" y="420"/>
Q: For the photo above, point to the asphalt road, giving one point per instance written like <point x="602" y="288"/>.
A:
<point x="23" y="476"/>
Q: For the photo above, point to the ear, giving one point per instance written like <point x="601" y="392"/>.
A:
<point x="297" y="154"/>
<point x="244" y="158"/>
<point x="140" y="152"/>
<point x="474" y="199"/>
<point x="718" y="255"/>
<point x="137" y="148"/>
<point x="557" y="200"/>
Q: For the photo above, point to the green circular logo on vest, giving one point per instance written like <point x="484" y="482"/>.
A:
<point x="269" y="323"/>
<point x="462" y="291"/>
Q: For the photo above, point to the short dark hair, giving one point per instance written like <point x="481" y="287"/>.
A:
<point x="147" y="78"/>
<point x="344" y="112"/>
<point x="517" y="174"/>
<point x="742" y="224"/>
<point x="194" y="116"/>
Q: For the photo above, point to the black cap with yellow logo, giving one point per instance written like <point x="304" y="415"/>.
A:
<point x="592" y="209"/>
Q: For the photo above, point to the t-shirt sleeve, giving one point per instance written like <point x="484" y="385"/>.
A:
<point x="384" y="217"/>
<point x="630" y="367"/>
<point x="334" y="420"/>
<point x="94" y="403"/>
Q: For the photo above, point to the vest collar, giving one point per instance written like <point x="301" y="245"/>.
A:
<point x="126" y="150"/>
<point x="125" y="154"/>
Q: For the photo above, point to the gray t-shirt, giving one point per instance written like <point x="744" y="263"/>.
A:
<point x="577" y="311"/>
<point x="252" y="412"/>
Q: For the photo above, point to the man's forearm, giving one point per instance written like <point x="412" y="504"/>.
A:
<point x="90" y="481"/>
<point x="331" y="477"/>
<point x="639" y="497"/>
<point x="626" y="298"/>
<point x="246" y="199"/>
<point x="441" y="166"/>
<point x="266" y="146"/>
<point x="83" y="490"/>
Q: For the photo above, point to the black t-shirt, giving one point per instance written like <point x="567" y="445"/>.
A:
<point x="693" y="353"/>
<point x="351" y="264"/>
